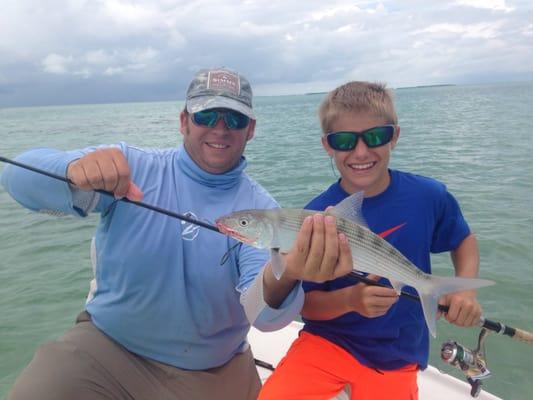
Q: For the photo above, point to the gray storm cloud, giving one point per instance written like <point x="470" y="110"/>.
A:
<point x="76" y="51"/>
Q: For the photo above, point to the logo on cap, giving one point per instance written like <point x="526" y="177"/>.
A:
<point x="224" y="81"/>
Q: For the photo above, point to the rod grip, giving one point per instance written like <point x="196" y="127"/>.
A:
<point x="523" y="336"/>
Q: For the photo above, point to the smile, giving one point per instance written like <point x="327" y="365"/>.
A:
<point x="362" y="167"/>
<point x="217" y="145"/>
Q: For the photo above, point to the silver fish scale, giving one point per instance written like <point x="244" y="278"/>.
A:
<point x="370" y="252"/>
<point x="291" y="219"/>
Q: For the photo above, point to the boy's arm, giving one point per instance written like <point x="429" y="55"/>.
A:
<point x="320" y="305"/>
<point x="369" y="301"/>
<point x="464" y="309"/>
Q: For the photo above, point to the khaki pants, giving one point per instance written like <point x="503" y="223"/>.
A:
<point x="86" y="364"/>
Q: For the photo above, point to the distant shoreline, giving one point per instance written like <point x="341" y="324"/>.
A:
<point x="399" y="88"/>
<point x="425" y="86"/>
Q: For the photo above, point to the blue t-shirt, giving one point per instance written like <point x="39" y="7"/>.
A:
<point x="418" y="216"/>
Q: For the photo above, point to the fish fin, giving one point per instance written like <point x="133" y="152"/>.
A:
<point x="396" y="285"/>
<point x="440" y="286"/>
<point x="350" y="209"/>
<point x="430" y="307"/>
<point x="278" y="266"/>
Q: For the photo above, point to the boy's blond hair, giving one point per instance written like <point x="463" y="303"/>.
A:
<point x="357" y="97"/>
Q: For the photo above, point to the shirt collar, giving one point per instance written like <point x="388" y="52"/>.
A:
<point x="223" y="181"/>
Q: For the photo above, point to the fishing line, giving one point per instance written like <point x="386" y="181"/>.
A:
<point x="227" y="254"/>
<point x="498" y="327"/>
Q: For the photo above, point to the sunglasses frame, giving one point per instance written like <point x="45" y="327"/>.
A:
<point x="361" y="135"/>
<point x="221" y="113"/>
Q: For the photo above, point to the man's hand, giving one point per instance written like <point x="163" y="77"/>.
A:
<point x="371" y="301"/>
<point x="104" y="169"/>
<point x="464" y="309"/>
<point x="320" y="253"/>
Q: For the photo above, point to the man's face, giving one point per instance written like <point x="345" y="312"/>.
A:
<point x="362" y="168"/>
<point x="215" y="149"/>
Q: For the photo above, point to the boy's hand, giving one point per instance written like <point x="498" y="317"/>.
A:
<point x="320" y="253"/>
<point x="104" y="169"/>
<point x="464" y="309"/>
<point x="372" y="301"/>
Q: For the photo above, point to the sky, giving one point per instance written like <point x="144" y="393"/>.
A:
<point x="58" y="52"/>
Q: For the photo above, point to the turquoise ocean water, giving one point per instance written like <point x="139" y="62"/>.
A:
<point x="476" y="139"/>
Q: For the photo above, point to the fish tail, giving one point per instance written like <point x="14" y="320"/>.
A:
<point x="440" y="286"/>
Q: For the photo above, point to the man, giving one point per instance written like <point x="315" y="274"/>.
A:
<point x="164" y="319"/>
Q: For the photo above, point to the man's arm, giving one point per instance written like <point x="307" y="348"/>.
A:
<point x="320" y="253"/>
<point x="89" y="169"/>
<point x="104" y="169"/>
<point x="41" y="193"/>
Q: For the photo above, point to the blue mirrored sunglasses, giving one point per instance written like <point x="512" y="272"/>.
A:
<point x="232" y="119"/>
<point x="373" y="137"/>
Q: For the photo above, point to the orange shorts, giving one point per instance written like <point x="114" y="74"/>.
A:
<point x="316" y="369"/>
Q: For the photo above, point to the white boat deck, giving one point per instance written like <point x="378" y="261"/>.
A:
<point x="433" y="385"/>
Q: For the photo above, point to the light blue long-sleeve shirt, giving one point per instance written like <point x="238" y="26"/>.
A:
<point x="160" y="289"/>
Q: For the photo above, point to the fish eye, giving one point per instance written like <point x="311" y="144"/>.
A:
<point x="243" y="222"/>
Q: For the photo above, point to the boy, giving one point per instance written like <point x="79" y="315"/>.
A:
<point x="360" y="335"/>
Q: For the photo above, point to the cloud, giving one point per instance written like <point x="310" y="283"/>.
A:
<point x="474" y="31"/>
<point x="332" y="12"/>
<point x="57" y="64"/>
<point x="152" y="47"/>
<point x="99" y="57"/>
<point x="101" y="62"/>
<point x="497" y="5"/>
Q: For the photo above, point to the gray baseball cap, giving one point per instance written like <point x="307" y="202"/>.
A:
<point x="219" y="88"/>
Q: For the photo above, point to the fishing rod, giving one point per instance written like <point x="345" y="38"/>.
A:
<point x="472" y="362"/>
<point x="494" y="326"/>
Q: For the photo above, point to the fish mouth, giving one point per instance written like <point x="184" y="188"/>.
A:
<point x="226" y="230"/>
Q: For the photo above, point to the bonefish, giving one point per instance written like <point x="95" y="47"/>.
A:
<point x="276" y="229"/>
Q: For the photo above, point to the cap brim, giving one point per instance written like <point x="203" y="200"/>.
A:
<point x="206" y="102"/>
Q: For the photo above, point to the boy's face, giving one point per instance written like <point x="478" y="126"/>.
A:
<point x="362" y="168"/>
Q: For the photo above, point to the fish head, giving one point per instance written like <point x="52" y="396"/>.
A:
<point x="252" y="227"/>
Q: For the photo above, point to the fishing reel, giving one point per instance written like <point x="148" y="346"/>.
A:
<point x="472" y="363"/>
